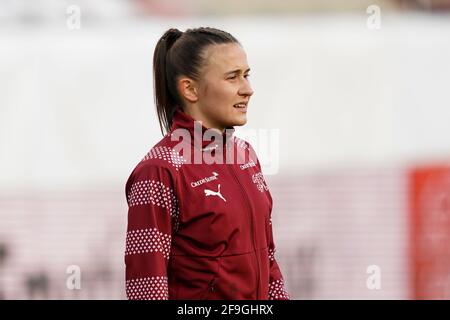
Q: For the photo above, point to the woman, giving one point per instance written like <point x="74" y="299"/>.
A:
<point x="199" y="219"/>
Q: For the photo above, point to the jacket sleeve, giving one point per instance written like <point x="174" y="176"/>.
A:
<point x="152" y="218"/>
<point x="277" y="290"/>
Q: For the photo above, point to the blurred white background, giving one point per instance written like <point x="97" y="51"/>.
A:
<point x="357" y="109"/>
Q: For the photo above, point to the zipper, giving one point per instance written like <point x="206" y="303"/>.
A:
<point x="247" y="202"/>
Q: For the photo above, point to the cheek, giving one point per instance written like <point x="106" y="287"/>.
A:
<point x="222" y="93"/>
<point x="228" y="92"/>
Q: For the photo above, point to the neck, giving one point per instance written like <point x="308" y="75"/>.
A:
<point x="193" y="112"/>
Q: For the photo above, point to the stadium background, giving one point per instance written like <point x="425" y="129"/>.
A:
<point x="360" y="174"/>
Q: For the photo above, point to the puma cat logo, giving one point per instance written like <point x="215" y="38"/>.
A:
<point x="214" y="193"/>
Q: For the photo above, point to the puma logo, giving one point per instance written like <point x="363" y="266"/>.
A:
<point x="214" y="193"/>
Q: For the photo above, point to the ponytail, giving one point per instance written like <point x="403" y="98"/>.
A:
<point x="166" y="99"/>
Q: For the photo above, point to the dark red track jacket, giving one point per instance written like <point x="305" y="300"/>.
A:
<point x="200" y="230"/>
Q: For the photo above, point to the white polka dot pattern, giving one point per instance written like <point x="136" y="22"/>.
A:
<point x="150" y="288"/>
<point x="148" y="240"/>
<point x="271" y="254"/>
<point x="277" y="290"/>
<point x="240" y="143"/>
<point x="156" y="193"/>
<point x="166" y="154"/>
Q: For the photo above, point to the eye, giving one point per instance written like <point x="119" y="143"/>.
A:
<point x="247" y="75"/>
<point x="232" y="77"/>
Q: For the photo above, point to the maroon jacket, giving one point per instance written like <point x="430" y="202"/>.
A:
<point x="200" y="231"/>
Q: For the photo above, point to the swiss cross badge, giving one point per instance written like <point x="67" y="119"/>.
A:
<point x="258" y="179"/>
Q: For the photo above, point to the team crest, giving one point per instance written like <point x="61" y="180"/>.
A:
<point x="261" y="184"/>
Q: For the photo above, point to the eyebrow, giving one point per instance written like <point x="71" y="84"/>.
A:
<point x="236" y="71"/>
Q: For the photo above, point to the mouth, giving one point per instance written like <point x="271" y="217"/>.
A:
<point x="241" y="106"/>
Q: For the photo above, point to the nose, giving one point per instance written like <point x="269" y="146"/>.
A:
<point x="246" y="89"/>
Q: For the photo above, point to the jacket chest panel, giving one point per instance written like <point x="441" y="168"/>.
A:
<point x="224" y="205"/>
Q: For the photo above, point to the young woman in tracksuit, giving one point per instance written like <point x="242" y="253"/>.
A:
<point x="200" y="229"/>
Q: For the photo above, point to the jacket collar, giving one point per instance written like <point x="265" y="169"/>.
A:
<point x="185" y="121"/>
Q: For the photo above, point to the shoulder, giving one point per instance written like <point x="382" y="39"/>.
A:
<point x="248" y="150"/>
<point x="243" y="144"/>
<point x="160" y="163"/>
<point x="163" y="154"/>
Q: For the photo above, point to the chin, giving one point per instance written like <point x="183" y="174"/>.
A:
<point x="239" y="121"/>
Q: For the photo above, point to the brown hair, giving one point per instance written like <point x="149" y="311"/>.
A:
<point x="180" y="53"/>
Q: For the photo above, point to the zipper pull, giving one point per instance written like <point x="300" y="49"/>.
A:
<point x="211" y="285"/>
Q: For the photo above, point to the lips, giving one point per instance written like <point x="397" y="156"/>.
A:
<point x="241" y="105"/>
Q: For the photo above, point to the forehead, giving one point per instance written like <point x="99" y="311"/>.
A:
<point x="224" y="57"/>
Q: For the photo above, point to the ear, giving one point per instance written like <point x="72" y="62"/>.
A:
<point x="187" y="88"/>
